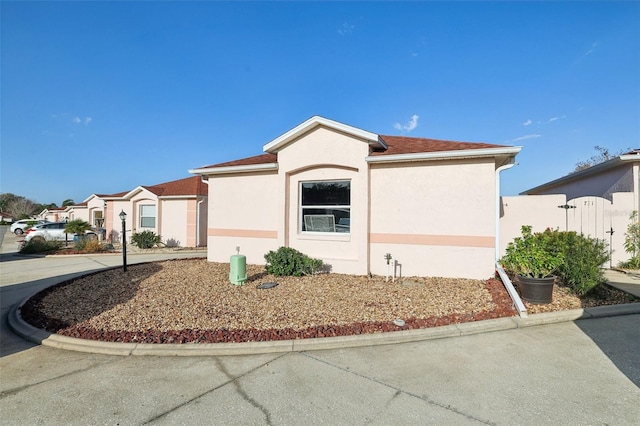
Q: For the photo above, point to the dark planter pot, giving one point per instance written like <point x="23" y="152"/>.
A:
<point x="536" y="290"/>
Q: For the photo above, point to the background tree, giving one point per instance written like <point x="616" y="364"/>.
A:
<point x="5" y="199"/>
<point x="68" y="202"/>
<point x="602" y="156"/>
<point x="22" y="208"/>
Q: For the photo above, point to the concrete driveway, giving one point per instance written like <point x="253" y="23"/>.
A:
<point x="583" y="372"/>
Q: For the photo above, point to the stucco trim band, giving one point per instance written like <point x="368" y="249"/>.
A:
<point x="245" y="233"/>
<point x="433" y="240"/>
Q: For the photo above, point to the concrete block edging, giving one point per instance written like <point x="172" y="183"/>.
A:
<point x="39" y="336"/>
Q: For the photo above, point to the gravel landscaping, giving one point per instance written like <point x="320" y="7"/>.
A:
<point x="182" y="301"/>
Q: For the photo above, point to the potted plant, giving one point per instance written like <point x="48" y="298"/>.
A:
<point x="533" y="261"/>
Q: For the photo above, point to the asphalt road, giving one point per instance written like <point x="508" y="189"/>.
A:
<point x="574" y="373"/>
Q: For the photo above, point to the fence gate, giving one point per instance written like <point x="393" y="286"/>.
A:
<point x="594" y="217"/>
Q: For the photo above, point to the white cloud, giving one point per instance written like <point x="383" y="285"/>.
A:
<point x="592" y="49"/>
<point x="346" y="28"/>
<point x="78" y="120"/>
<point x="526" y="123"/>
<point x="552" y="119"/>
<point x="412" y="124"/>
<point x="525" y="137"/>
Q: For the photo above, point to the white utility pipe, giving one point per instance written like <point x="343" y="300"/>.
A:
<point x="498" y="170"/>
<point x="393" y="262"/>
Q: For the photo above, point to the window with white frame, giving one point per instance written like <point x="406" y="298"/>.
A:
<point x="147" y="216"/>
<point x="98" y="219"/>
<point x="325" y="206"/>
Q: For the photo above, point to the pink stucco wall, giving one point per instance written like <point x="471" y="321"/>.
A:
<point x="437" y="218"/>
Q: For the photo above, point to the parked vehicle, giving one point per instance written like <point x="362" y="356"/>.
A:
<point x="20" y="226"/>
<point x="53" y="231"/>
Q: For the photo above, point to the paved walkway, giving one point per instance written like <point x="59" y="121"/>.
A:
<point x="625" y="281"/>
<point x="571" y="372"/>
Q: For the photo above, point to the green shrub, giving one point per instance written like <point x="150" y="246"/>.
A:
<point x="583" y="256"/>
<point x="89" y="245"/>
<point x="77" y="226"/>
<point x="145" y="239"/>
<point x="632" y="243"/>
<point x="39" y="245"/>
<point x="530" y="255"/>
<point x="289" y="261"/>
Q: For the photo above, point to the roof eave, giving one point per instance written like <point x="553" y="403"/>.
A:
<point x="207" y="171"/>
<point x="614" y="162"/>
<point x="446" y="155"/>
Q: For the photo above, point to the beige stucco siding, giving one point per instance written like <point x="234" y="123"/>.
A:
<point x="243" y="212"/>
<point x="326" y="155"/>
<point x="433" y="215"/>
<point x="175" y="222"/>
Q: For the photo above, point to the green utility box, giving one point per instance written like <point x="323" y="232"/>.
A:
<point x="238" y="269"/>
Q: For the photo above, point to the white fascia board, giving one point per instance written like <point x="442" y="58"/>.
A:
<point x="315" y="121"/>
<point x="134" y="192"/>
<point x="180" y="197"/>
<point x="464" y="153"/>
<point x="235" y="169"/>
<point x="89" y="198"/>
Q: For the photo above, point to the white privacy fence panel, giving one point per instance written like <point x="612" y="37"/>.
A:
<point x="592" y="216"/>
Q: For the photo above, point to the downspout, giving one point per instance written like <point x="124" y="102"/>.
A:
<point x="517" y="302"/>
<point x="205" y="181"/>
<point x="507" y="166"/>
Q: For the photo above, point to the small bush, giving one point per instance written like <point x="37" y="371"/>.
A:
<point x="39" y="245"/>
<point x="632" y="243"/>
<point x="289" y="261"/>
<point x="89" y="245"/>
<point x="145" y="239"/>
<point x="583" y="256"/>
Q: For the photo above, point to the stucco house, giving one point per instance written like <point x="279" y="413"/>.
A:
<point x="90" y="210"/>
<point x="349" y="197"/>
<point x="59" y="214"/>
<point x="175" y="210"/>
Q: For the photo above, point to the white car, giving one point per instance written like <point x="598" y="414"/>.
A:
<point x="53" y="231"/>
<point x="18" y="227"/>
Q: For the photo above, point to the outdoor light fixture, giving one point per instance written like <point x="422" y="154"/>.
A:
<point x="123" y="218"/>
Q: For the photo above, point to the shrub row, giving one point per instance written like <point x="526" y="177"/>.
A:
<point x="583" y="258"/>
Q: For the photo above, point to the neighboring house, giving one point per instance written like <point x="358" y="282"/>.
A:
<point x="596" y="201"/>
<point x="59" y="214"/>
<point x="176" y="211"/>
<point x="349" y="197"/>
<point x="5" y="217"/>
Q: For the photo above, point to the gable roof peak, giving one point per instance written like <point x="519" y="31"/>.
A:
<point x="316" y="121"/>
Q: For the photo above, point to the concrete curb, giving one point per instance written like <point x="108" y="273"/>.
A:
<point x="36" y="335"/>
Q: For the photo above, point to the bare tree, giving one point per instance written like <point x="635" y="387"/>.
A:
<point x="602" y="156"/>
<point x="21" y="208"/>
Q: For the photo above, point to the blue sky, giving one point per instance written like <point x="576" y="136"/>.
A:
<point x="100" y="97"/>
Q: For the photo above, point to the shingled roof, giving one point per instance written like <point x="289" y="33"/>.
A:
<point x="187" y="186"/>
<point x="395" y="145"/>
<point x="406" y="145"/>
<point x="190" y="186"/>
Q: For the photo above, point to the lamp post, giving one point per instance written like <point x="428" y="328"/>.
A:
<point x="566" y="208"/>
<point x="123" y="218"/>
